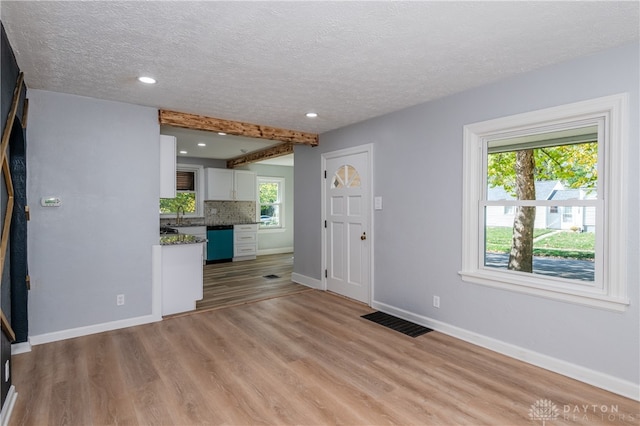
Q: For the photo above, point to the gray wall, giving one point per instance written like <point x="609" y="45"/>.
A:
<point x="418" y="172"/>
<point x="278" y="239"/>
<point x="102" y="159"/>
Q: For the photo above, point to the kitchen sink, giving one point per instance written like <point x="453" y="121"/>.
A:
<point x="164" y="230"/>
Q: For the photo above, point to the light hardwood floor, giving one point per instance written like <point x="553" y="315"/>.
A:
<point x="303" y="359"/>
<point x="235" y="283"/>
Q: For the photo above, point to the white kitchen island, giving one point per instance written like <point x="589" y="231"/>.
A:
<point x="177" y="265"/>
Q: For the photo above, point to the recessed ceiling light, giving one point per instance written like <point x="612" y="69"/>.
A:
<point x="222" y="133"/>
<point x="147" y="80"/>
<point x="202" y="144"/>
<point x="312" y="114"/>
<point x="183" y="152"/>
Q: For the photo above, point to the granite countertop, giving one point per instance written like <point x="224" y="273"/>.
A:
<point x="174" y="239"/>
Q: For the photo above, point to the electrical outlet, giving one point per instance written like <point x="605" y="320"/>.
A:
<point x="436" y="301"/>
<point x="120" y="299"/>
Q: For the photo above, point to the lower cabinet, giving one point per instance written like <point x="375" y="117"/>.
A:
<point x="181" y="277"/>
<point x="245" y="241"/>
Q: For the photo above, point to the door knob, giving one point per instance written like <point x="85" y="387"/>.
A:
<point x="363" y="236"/>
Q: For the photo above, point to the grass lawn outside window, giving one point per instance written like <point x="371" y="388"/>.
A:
<point x="561" y="244"/>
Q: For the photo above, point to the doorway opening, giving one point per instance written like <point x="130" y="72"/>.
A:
<point x="237" y="283"/>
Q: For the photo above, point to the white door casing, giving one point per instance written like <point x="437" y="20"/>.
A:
<point x="348" y="237"/>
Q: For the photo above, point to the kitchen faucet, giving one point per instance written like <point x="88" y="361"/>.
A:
<point x="178" y="219"/>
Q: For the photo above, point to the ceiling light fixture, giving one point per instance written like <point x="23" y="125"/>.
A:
<point x="202" y="144"/>
<point x="183" y="152"/>
<point x="222" y="133"/>
<point x="147" y="80"/>
<point x="312" y="114"/>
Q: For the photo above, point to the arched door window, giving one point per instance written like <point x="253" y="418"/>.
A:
<point x="346" y="177"/>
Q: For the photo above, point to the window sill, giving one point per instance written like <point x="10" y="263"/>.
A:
<point x="586" y="298"/>
<point x="270" y="230"/>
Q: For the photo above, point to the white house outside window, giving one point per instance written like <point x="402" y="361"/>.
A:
<point x="544" y="206"/>
<point x="271" y="202"/>
<point x="189" y="193"/>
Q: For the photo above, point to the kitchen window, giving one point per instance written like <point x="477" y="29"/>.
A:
<point x="271" y="202"/>
<point x="189" y="193"/>
<point x="571" y="157"/>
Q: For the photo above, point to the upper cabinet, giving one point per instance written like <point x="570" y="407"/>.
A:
<point x="219" y="184"/>
<point x="167" y="166"/>
<point x="244" y="185"/>
<point x="230" y="185"/>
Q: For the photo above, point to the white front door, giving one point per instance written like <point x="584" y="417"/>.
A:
<point x="347" y="214"/>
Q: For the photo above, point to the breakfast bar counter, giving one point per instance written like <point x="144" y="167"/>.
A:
<point x="177" y="261"/>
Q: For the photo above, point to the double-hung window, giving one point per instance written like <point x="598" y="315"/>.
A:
<point x="189" y="193"/>
<point x="271" y="202"/>
<point x="544" y="205"/>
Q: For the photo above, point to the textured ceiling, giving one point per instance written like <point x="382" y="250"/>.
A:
<point x="270" y="62"/>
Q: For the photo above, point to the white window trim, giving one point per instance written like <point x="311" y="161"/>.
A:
<point x="199" y="185"/>
<point x="281" y="182"/>
<point x="612" y="294"/>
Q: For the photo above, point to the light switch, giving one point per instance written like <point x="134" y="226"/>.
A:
<point x="377" y="203"/>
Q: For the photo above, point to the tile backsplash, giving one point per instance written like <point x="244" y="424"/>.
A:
<point x="229" y="212"/>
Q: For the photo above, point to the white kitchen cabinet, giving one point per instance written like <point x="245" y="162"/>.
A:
<point x="245" y="241"/>
<point x="181" y="277"/>
<point x="219" y="184"/>
<point x="244" y="185"/>
<point x="230" y="185"/>
<point x="167" y="166"/>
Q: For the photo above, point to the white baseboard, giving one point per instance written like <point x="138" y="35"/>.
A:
<point x="281" y="250"/>
<point x="7" y="407"/>
<point x="604" y="381"/>
<point x="308" y="281"/>
<point x="20" y="348"/>
<point x="92" y="329"/>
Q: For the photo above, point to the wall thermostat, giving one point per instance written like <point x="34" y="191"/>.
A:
<point x="50" y="202"/>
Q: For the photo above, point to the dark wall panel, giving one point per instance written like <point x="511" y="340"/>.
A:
<point x="18" y="236"/>
<point x="9" y="72"/>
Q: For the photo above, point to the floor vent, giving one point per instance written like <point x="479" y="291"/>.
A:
<point x="397" y="324"/>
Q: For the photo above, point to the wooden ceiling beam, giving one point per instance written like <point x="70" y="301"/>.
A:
<point x="264" y="154"/>
<point x="237" y="128"/>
